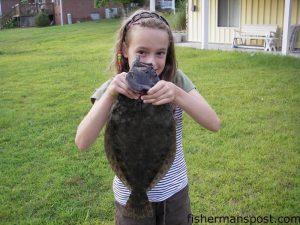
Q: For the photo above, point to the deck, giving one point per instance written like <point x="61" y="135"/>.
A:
<point x="31" y="9"/>
<point x="22" y="15"/>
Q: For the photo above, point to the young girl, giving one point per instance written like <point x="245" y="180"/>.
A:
<point x="148" y="35"/>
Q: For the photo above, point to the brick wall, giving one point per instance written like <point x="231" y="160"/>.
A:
<point x="6" y="5"/>
<point x="80" y="10"/>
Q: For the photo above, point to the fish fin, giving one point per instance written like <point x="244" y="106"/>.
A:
<point x="138" y="206"/>
<point x="115" y="162"/>
<point x="167" y="163"/>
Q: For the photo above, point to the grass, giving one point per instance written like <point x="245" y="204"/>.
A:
<point x="251" y="167"/>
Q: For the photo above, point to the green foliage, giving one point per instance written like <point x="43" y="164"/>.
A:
<point x="102" y="3"/>
<point x="125" y="3"/>
<point x="251" y="167"/>
<point x="42" y="19"/>
<point x="180" y="16"/>
<point x="11" y="24"/>
<point x="178" y="20"/>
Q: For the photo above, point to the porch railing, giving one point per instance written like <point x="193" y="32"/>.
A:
<point x="31" y="9"/>
<point x="28" y="9"/>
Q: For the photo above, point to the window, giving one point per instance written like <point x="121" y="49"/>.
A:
<point x="228" y="13"/>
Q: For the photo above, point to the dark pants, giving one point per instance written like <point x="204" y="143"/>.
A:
<point x="173" y="211"/>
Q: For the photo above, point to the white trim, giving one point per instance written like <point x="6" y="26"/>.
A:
<point x="152" y="5"/>
<point x="173" y="5"/>
<point x="204" y="35"/>
<point x="286" y="27"/>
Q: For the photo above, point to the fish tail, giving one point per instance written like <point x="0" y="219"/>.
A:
<point x="138" y="205"/>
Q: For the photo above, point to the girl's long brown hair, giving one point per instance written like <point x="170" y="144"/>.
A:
<point x="123" y="38"/>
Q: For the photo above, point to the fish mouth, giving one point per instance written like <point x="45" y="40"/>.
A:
<point x="141" y="77"/>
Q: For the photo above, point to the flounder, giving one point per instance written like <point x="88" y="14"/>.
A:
<point x="140" y="141"/>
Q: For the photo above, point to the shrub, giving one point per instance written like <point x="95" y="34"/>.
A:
<point x="12" y="23"/>
<point x="180" y="16"/>
<point x="42" y="19"/>
<point x="177" y="21"/>
<point x="180" y="20"/>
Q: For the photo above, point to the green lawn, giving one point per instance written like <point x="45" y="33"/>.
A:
<point x="251" y="167"/>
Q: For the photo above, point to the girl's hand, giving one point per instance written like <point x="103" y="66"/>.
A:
<point x="119" y="86"/>
<point x="161" y="93"/>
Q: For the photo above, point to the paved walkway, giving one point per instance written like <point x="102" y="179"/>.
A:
<point x="227" y="47"/>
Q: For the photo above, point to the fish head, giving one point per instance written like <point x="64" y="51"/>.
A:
<point x="141" y="76"/>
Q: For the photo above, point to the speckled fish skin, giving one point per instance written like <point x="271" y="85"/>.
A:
<point x="140" y="144"/>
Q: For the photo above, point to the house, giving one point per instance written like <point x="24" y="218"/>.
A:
<point x="80" y="10"/>
<point x="165" y="4"/>
<point x="161" y="5"/>
<point x="6" y="6"/>
<point x="215" y="21"/>
<point x="13" y="12"/>
<point x="60" y="11"/>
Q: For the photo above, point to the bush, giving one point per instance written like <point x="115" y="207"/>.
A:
<point x="180" y="16"/>
<point x="180" y="20"/>
<point x="10" y="24"/>
<point x="177" y="21"/>
<point x="42" y="19"/>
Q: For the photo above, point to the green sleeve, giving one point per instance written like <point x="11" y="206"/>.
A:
<point x="182" y="81"/>
<point x="99" y="91"/>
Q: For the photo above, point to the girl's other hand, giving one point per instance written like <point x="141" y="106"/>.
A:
<point x="161" y="93"/>
<point x="119" y="86"/>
